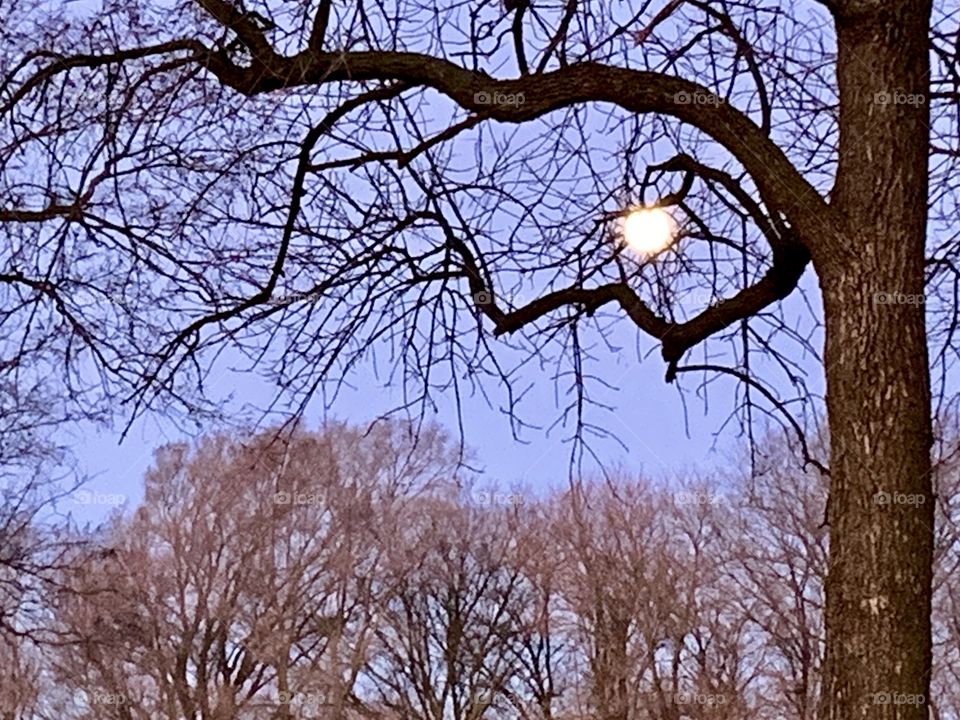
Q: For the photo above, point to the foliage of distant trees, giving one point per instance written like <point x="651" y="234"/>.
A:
<point x="359" y="573"/>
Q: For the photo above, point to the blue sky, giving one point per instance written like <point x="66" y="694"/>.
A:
<point x="643" y="412"/>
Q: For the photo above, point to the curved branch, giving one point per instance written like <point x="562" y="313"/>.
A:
<point x="62" y="64"/>
<point x="778" y="181"/>
<point x="808" y="459"/>
<point x="781" y="185"/>
<point x="676" y="338"/>
<point x="518" y="43"/>
<point x="774" y="231"/>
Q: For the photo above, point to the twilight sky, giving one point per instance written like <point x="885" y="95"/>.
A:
<point x="660" y="434"/>
<point x="645" y="414"/>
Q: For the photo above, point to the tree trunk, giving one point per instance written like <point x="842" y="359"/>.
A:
<point x="878" y="388"/>
<point x="610" y="686"/>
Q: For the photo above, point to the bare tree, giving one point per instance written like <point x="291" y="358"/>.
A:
<point x="778" y="552"/>
<point x="178" y="177"/>
<point x="944" y="693"/>
<point x="344" y="574"/>
<point x="547" y="674"/>
<point x="247" y="583"/>
<point x="654" y="629"/>
<point x="449" y="636"/>
<point x="283" y="177"/>
<point x="20" y="684"/>
<point x="38" y="544"/>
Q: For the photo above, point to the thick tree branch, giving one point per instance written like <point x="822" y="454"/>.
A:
<point x="321" y="21"/>
<point x="518" y="42"/>
<point x="790" y="260"/>
<point x="786" y="193"/>
<point x="36" y="216"/>
<point x="244" y="25"/>
<point x="779" y="182"/>
<point x="676" y="338"/>
<point x="62" y="64"/>
<point x="781" y="185"/>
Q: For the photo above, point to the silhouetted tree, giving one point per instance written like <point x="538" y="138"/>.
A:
<point x="176" y="177"/>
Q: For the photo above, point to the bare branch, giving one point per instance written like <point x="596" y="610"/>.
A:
<point x="634" y="90"/>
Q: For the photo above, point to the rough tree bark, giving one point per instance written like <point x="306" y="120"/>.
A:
<point x="878" y="386"/>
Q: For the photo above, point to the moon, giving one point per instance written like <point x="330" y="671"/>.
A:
<point x="649" y="230"/>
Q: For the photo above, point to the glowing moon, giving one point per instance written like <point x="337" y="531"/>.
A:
<point x="649" y="230"/>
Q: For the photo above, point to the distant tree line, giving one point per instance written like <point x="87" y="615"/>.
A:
<point x="360" y="573"/>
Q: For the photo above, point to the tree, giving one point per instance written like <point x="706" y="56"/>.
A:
<point x="451" y="629"/>
<point x="778" y="561"/>
<point x="290" y="179"/>
<point x="248" y="583"/>
<point x="644" y="575"/>
<point x="779" y="566"/>
<point x="370" y="588"/>
<point x="37" y="545"/>
<point x="945" y="696"/>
